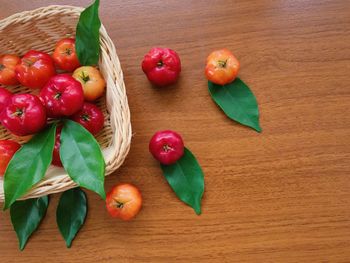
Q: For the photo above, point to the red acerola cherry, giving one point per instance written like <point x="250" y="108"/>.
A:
<point x="166" y="146"/>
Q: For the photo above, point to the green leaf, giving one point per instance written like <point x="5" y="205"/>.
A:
<point x="82" y="158"/>
<point x="186" y="178"/>
<point x="87" y="42"/>
<point x="29" y="164"/>
<point x="238" y="102"/>
<point x="26" y="216"/>
<point x="71" y="213"/>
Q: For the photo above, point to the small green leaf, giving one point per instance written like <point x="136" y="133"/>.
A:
<point x="26" y="216"/>
<point x="82" y="158"/>
<point x="186" y="179"/>
<point x="87" y="42"/>
<point x="71" y="213"/>
<point x="29" y="164"/>
<point x="238" y="102"/>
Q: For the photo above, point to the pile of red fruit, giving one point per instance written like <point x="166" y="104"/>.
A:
<point x="65" y="91"/>
<point x="64" y="95"/>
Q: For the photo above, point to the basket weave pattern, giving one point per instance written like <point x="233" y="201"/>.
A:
<point x="40" y="29"/>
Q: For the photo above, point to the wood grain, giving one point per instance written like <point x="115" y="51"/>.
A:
<point x="279" y="196"/>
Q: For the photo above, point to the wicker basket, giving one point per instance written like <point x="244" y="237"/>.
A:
<point x="40" y="29"/>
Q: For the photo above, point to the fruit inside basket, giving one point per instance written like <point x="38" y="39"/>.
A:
<point x="40" y="29"/>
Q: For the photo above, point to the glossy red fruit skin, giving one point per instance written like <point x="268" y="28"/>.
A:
<point x="23" y="115"/>
<point x="5" y="96"/>
<point x="65" y="56"/>
<point x="7" y="149"/>
<point x="124" y="201"/>
<point x="166" y="146"/>
<point x="90" y="117"/>
<point x="162" y="66"/>
<point x="35" y="69"/>
<point x="56" y="159"/>
<point x="62" y="96"/>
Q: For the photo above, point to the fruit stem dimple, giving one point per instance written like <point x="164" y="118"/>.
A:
<point x="160" y="64"/>
<point x="68" y="51"/>
<point x="18" y="113"/>
<point x="120" y="205"/>
<point x="85" y="117"/>
<point x="2" y="67"/>
<point x="57" y="96"/>
<point x="28" y="62"/>
<point x="222" y="63"/>
<point x="84" y="77"/>
<point x="166" y="148"/>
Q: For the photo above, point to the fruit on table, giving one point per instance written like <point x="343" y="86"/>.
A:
<point x="166" y="146"/>
<point x="7" y="149"/>
<point x="35" y="69"/>
<point x="222" y="67"/>
<point x="62" y="96"/>
<point x="90" y="117"/>
<point x="65" y="56"/>
<point x="7" y="69"/>
<point x="23" y="115"/>
<point x="124" y="201"/>
<point x="5" y="96"/>
<point x="92" y="81"/>
<point x="162" y="66"/>
<point x="56" y="159"/>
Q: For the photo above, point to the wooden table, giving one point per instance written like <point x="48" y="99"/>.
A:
<point x="279" y="196"/>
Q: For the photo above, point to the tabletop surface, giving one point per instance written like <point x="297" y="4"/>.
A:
<point x="279" y="196"/>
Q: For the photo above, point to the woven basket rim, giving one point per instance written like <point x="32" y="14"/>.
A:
<point x="5" y="21"/>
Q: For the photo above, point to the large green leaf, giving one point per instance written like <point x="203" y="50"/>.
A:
<point x="87" y="42"/>
<point x="238" y="102"/>
<point x="71" y="213"/>
<point x="26" y="216"/>
<point x="29" y="164"/>
<point x="186" y="179"/>
<point x="82" y="158"/>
